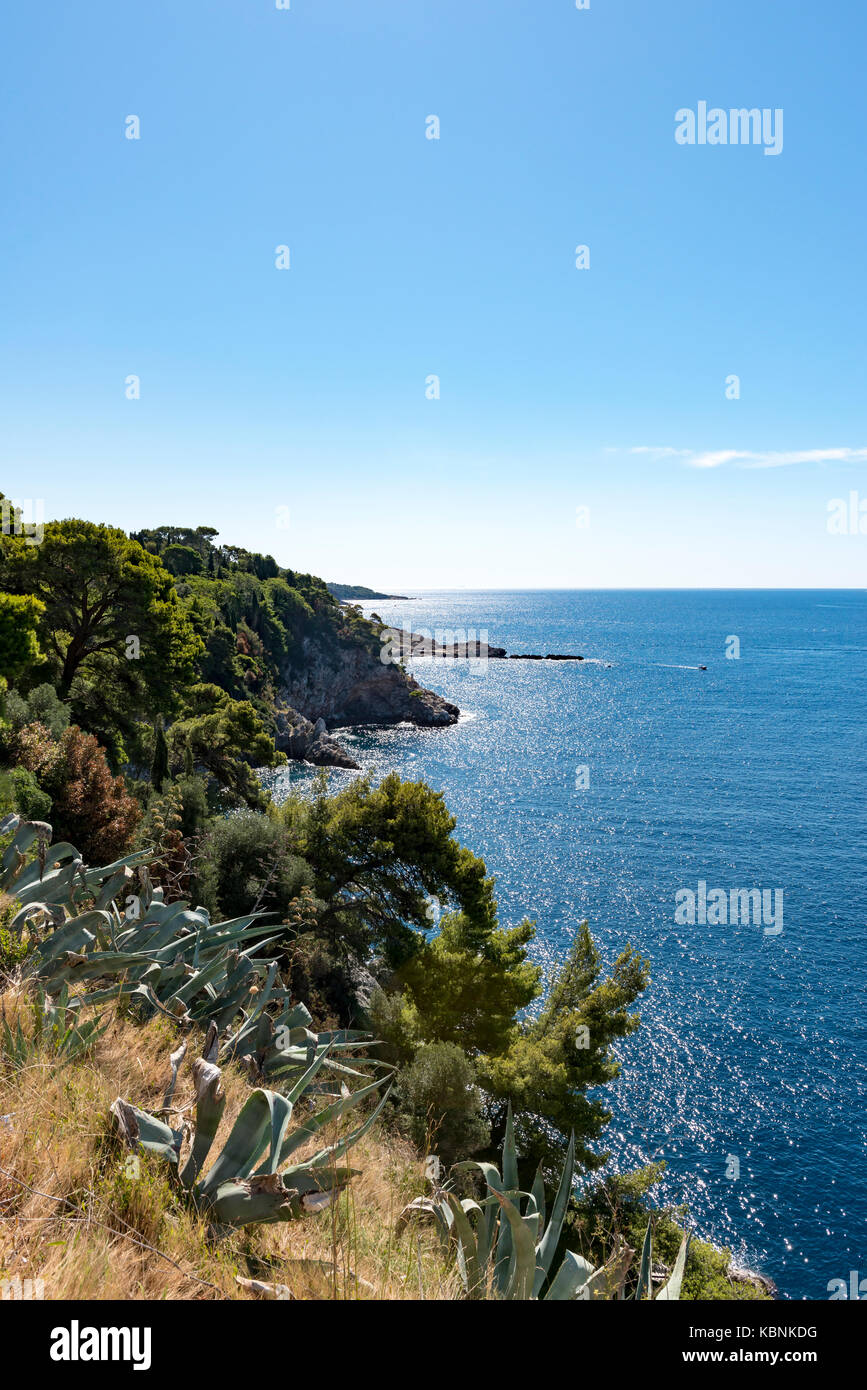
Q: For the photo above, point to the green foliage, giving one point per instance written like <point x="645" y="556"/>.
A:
<point x="378" y="855"/>
<point x="226" y="737"/>
<point x="246" y="859"/>
<point x="98" y="588"/>
<point x="234" y="1191"/>
<point x="472" y="993"/>
<point x="40" y="706"/>
<point x="20" y="791"/>
<point x="55" y="1031"/>
<point x="19" y="644"/>
<point x="182" y="559"/>
<point x="440" y="1102"/>
<point x="469" y="991"/>
<point x="160" y="763"/>
<point x="556" y="1057"/>
<point x="15" y="946"/>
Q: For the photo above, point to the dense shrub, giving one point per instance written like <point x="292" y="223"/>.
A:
<point x="19" y="791"/>
<point x="244" y="861"/>
<point x="90" y="806"/>
<point x="41" y="706"/>
<point x="441" y="1104"/>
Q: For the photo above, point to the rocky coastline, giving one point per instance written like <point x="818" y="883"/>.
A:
<point x="333" y="685"/>
<point x="330" y="686"/>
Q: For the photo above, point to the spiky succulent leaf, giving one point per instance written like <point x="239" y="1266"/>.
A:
<point x="671" y="1289"/>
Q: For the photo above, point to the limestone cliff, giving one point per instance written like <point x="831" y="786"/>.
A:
<point x="330" y="684"/>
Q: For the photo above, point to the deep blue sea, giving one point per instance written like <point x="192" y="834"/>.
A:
<point x="749" y="774"/>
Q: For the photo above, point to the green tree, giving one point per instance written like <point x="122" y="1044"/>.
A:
<point x="228" y="739"/>
<point x="379" y="854"/>
<point x="19" y="646"/>
<point x="556" y="1057"/>
<point x="160" y="763"/>
<point x="469" y="991"/>
<point x="182" y="559"/>
<point x="109" y="609"/>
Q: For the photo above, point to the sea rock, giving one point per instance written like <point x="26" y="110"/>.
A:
<point x="300" y="738"/>
<point x="406" y="646"/>
<point x="334" y="684"/>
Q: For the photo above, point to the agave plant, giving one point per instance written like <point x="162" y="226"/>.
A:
<point x="671" y="1287"/>
<point x="276" y="1046"/>
<point x="163" y="957"/>
<point x="56" y="881"/>
<point x="505" y="1250"/>
<point x="234" y="1191"/>
<point x="56" y="1031"/>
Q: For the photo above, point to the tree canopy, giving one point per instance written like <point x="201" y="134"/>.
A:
<point x="109" y="609"/>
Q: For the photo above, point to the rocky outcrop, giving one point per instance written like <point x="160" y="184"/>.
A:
<point x="298" y="737"/>
<point x="405" y="646"/>
<point x="332" y="684"/>
<point x="415" y="645"/>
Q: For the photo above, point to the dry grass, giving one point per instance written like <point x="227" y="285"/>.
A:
<point x="71" y="1215"/>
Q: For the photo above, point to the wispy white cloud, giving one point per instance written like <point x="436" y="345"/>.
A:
<point x="745" y="458"/>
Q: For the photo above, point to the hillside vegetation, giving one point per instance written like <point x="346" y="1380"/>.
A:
<point x="240" y="1039"/>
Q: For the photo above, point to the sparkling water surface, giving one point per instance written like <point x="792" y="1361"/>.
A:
<point x="748" y="774"/>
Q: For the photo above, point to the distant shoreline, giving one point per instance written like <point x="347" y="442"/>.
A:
<point x="358" y="591"/>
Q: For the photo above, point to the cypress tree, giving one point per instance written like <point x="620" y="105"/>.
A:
<point x="160" y="764"/>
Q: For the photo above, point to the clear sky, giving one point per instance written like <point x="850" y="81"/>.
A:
<point x="603" y="388"/>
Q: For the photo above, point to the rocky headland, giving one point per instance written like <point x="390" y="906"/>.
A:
<point x="330" y="685"/>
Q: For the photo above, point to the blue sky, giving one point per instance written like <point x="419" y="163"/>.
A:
<point x="605" y="388"/>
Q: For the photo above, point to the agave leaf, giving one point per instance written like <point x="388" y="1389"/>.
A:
<point x="503" y="1258"/>
<point x="72" y="936"/>
<point x="671" y="1289"/>
<point x="342" y="1146"/>
<point x="196" y="982"/>
<point x="537" y="1193"/>
<point x="642" y="1290"/>
<point x="113" y="886"/>
<point x="142" y="1130"/>
<point x="331" y="1112"/>
<point x="471" y="1271"/>
<point x="261" y="1199"/>
<point x="522" y="1261"/>
<point x="551" y="1238"/>
<point x="263" y="1117"/>
<point x="308" y="1076"/>
<point x="570" y="1278"/>
<point x="210" y="1103"/>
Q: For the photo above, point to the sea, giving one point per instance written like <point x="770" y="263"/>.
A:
<point x="608" y="791"/>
